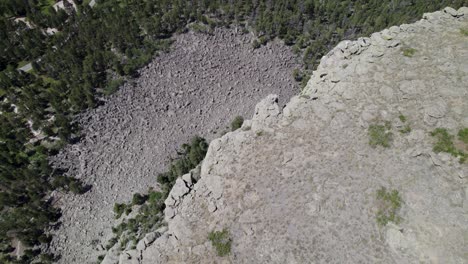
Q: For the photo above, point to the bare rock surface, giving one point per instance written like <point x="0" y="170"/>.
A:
<point x="298" y="185"/>
<point x="196" y="88"/>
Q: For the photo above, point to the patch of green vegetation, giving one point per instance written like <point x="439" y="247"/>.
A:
<point x="139" y="199"/>
<point x="302" y="77"/>
<point x="463" y="135"/>
<point x="119" y="209"/>
<point x="48" y="80"/>
<point x="72" y="184"/>
<point x="201" y="28"/>
<point x="380" y="135"/>
<point x="408" y="52"/>
<point x="259" y="133"/>
<point x="464" y="31"/>
<point x="263" y="40"/>
<point x="389" y="202"/>
<point x="445" y="142"/>
<point x="237" y="123"/>
<point x="189" y="157"/>
<point x="305" y="80"/>
<point x="149" y="218"/>
<point x="402" y="118"/>
<point x="297" y="75"/>
<point x="256" y="44"/>
<point x="221" y="241"/>
<point x="113" y="86"/>
<point x="405" y="130"/>
<point x="44" y="5"/>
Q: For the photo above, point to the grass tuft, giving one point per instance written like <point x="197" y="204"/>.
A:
<point x="379" y="135"/>
<point x="237" y="123"/>
<point x="389" y="204"/>
<point x="464" y="31"/>
<point x="408" y="52"/>
<point x="463" y="135"/>
<point x="445" y="143"/>
<point x="221" y="242"/>
<point x="402" y="118"/>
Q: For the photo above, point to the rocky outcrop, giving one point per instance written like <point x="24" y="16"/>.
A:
<point x="195" y="89"/>
<point x="298" y="185"/>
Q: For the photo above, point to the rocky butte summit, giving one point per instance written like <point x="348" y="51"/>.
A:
<point x="366" y="165"/>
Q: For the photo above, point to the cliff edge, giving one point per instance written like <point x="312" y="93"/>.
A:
<point x="347" y="172"/>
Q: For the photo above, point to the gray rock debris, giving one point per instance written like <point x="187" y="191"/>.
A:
<point x="195" y="89"/>
<point x="305" y="191"/>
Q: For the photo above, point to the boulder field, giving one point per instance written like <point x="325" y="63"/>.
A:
<point x="197" y="88"/>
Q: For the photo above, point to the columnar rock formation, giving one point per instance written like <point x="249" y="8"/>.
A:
<point x="298" y="185"/>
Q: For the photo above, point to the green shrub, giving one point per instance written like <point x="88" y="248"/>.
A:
<point x="221" y="242"/>
<point x="263" y="40"/>
<point x="297" y="75"/>
<point x="119" y="209"/>
<point x="45" y="239"/>
<point x="154" y="197"/>
<point x="408" y="52"/>
<point x="71" y="184"/>
<point x="379" y="135"/>
<point x="139" y="199"/>
<point x="463" y="135"/>
<point x="388" y="203"/>
<point x="407" y="128"/>
<point x="112" y="86"/>
<point x="402" y="118"/>
<point x="47" y="258"/>
<point x="305" y="80"/>
<point x="444" y="142"/>
<point x="464" y="31"/>
<point x="237" y="123"/>
<point x="128" y="210"/>
<point x="201" y="28"/>
<point x="76" y="186"/>
<point x="256" y="44"/>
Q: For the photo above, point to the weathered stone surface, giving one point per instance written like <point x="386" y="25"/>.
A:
<point x="179" y="189"/>
<point x="299" y="185"/>
<point x="112" y="256"/>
